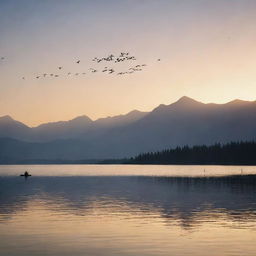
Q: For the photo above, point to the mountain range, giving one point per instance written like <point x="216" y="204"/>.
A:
<point x="185" y="122"/>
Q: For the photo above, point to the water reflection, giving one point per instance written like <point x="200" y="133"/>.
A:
<point x="185" y="199"/>
<point x="163" y="207"/>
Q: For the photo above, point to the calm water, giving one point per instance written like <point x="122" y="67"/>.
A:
<point x="128" y="210"/>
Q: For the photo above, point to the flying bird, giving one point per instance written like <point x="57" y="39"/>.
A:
<point x="111" y="71"/>
<point x="130" y="58"/>
<point x="97" y="59"/>
<point x="122" y="54"/>
<point x="119" y="59"/>
<point x="59" y="67"/>
<point x="93" y="70"/>
<point x="78" y="62"/>
<point x="110" y="57"/>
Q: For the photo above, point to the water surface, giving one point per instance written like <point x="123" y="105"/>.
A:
<point x="128" y="210"/>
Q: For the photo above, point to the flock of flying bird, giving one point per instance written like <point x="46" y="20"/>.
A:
<point x="123" y="56"/>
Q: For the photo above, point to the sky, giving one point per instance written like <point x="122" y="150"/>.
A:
<point x="207" y="50"/>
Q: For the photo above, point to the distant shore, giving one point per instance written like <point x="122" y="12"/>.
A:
<point x="113" y="163"/>
<point x="233" y="153"/>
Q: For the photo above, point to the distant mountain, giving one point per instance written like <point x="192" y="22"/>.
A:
<point x="71" y="129"/>
<point x="12" y="128"/>
<point x="61" y="130"/>
<point x="121" y="119"/>
<point x="185" y="122"/>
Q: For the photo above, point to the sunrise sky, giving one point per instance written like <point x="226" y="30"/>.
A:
<point x="207" y="50"/>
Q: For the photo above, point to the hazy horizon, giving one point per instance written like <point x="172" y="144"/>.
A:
<point x="127" y="127"/>
<point x="207" y="51"/>
<point x="120" y="114"/>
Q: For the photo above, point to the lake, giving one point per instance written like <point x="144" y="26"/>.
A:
<point x="128" y="210"/>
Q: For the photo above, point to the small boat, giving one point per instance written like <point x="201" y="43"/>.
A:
<point x="26" y="174"/>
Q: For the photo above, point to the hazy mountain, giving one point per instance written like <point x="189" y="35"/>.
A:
<point x="185" y="122"/>
<point x="61" y="130"/>
<point x="104" y="125"/>
<point x="120" y="120"/>
<point x="12" y="128"/>
<point x="75" y="128"/>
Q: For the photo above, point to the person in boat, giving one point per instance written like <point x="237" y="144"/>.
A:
<point x="26" y="174"/>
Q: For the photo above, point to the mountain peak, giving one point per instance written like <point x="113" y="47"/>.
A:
<point x="135" y="112"/>
<point x="10" y="122"/>
<point x="6" y="118"/>
<point x="81" y="119"/>
<point x="186" y="100"/>
<point x="238" y="102"/>
<point x="181" y="104"/>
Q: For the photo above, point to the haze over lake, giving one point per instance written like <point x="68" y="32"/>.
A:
<point x="127" y="128"/>
<point x="128" y="210"/>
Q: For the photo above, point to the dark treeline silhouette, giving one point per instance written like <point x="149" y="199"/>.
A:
<point x="236" y="153"/>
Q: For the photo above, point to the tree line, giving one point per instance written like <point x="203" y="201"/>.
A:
<point x="233" y="153"/>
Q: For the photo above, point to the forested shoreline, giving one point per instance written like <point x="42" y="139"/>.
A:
<point x="233" y="153"/>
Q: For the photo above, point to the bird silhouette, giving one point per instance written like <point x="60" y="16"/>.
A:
<point x="135" y="69"/>
<point x="93" y="70"/>
<point x="120" y="59"/>
<point x="110" y="57"/>
<point x="130" y="58"/>
<point x="158" y="59"/>
<point x="123" y="56"/>
<point x="2" y="58"/>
